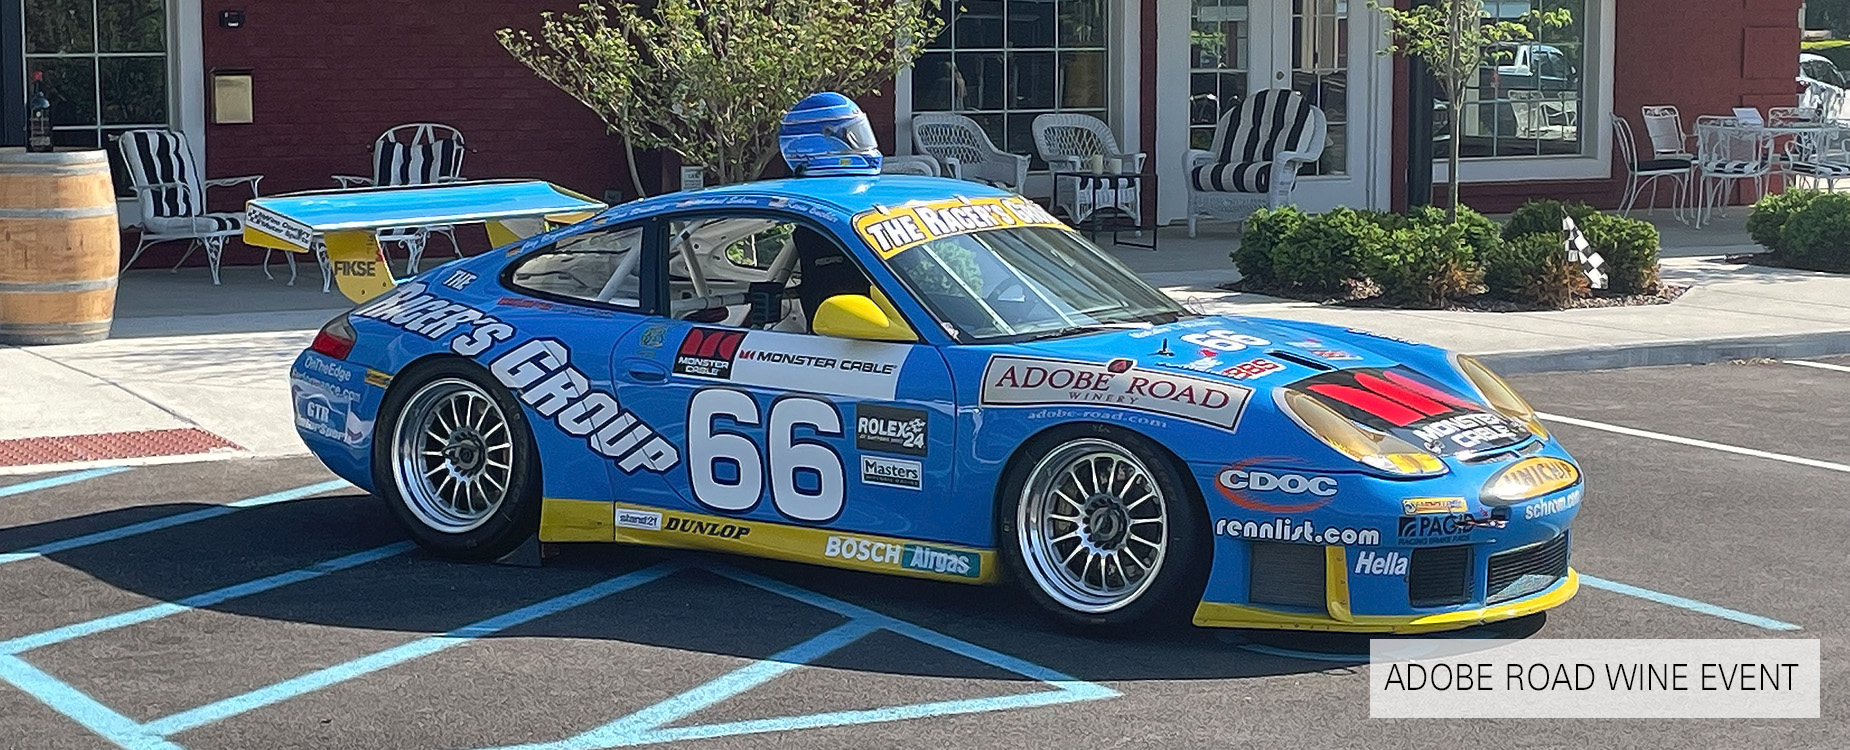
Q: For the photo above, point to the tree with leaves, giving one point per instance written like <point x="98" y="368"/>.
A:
<point x="1455" y="41"/>
<point x="710" y="80"/>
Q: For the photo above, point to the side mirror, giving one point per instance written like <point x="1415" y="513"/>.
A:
<point x="855" y="316"/>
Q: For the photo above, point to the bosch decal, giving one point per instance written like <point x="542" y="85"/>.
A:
<point x="1010" y="380"/>
<point x="1300" y="532"/>
<point x="890" y="429"/>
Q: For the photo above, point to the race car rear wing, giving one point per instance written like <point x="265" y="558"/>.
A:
<point x="346" y="221"/>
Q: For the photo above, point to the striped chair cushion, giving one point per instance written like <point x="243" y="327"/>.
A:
<point x="161" y="159"/>
<point x="415" y="163"/>
<point x="1815" y="169"/>
<point x="1664" y="165"/>
<point x="1269" y="122"/>
<point x="1243" y="177"/>
<point x="1734" y="167"/>
<point x="201" y="225"/>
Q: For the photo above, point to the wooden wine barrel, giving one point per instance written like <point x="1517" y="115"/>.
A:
<point x="59" y="247"/>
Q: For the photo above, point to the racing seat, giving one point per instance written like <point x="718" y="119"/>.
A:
<point x="827" y="271"/>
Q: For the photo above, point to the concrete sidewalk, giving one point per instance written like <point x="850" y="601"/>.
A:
<point x="188" y="356"/>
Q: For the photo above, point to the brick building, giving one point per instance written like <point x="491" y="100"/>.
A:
<point x="328" y="77"/>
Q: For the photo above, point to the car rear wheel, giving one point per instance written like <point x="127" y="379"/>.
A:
<point x="456" y="463"/>
<point x="1101" y="531"/>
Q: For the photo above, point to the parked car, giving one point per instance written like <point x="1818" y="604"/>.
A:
<point x="1529" y="90"/>
<point x="1821" y="85"/>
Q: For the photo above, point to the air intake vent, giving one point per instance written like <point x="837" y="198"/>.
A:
<point x="1439" y="576"/>
<point x="1302" y="360"/>
<point x="1521" y="572"/>
<point x="1289" y="575"/>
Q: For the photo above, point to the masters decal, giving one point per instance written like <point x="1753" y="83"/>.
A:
<point x="895" y="230"/>
<point x="892" y="472"/>
<point x="637" y="524"/>
<point x="1010" y="381"/>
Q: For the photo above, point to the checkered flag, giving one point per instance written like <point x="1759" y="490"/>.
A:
<point x="1580" y="251"/>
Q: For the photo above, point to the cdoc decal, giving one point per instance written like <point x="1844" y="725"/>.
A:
<point x="1017" y="381"/>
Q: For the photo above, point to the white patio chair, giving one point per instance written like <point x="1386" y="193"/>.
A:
<point x="966" y="151"/>
<point x="1649" y="171"/>
<point x="422" y="153"/>
<point x="172" y="197"/>
<point x="1728" y="152"/>
<point x="1819" y="156"/>
<point x="1067" y="142"/>
<point x="1665" y="127"/>
<point x="1258" y="149"/>
<point x="916" y="164"/>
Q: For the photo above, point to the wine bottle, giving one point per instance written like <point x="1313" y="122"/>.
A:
<point x="38" y="116"/>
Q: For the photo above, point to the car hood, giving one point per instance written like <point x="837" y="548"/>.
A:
<point x="1212" y="369"/>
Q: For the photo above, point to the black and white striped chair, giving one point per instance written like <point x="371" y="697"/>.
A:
<point x="423" y="153"/>
<point x="172" y="195"/>
<point x="1258" y="149"/>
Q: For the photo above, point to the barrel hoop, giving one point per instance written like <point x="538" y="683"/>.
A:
<point x="75" y="170"/>
<point x="93" y="212"/>
<point x="57" y="287"/>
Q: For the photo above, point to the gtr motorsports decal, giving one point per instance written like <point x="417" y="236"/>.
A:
<point x="895" y="230"/>
<point x="793" y="362"/>
<point x="1015" y="381"/>
<point x="638" y="524"/>
<point x="1414" y="408"/>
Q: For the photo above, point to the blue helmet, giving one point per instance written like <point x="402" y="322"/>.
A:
<point x="827" y="134"/>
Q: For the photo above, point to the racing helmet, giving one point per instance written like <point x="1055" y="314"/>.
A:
<point x="827" y="134"/>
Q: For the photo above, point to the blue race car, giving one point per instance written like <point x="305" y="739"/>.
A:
<point x="926" y="377"/>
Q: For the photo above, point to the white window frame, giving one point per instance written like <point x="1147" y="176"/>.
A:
<point x="1596" y="165"/>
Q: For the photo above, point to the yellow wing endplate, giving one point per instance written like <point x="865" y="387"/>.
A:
<point x="347" y="220"/>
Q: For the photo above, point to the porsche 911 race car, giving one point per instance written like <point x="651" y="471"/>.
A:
<point x="922" y="377"/>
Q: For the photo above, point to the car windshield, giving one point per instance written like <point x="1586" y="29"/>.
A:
<point x="1026" y="282"/>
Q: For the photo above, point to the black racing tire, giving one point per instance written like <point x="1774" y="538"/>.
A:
<point x="1143" y="478"/>
<point x="465" y="505"/>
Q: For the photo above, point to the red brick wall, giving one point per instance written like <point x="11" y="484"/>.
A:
<point x="1731" y="53"/>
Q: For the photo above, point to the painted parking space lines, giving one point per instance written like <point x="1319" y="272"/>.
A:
<point x="1816" y="365"/>
<point x="59" y="480"/>
<point x="641" y="727"/>
<point x="1692" y="605"/>
<point x="1723" y="447"/>
<point x="108" y="723"/>
<point x="178" y="519"/>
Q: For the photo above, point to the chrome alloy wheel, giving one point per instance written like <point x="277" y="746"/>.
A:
<point x="1092" y="526"/>
<point x="452" y="455"/>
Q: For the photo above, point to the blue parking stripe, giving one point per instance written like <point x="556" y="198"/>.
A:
<point x="1686" y="603"/>
<point x="177" y="519"/>
<point x="365" y="665"/>
<point x="154" y="612"/>
<point x="81" y="708"/>
<point x="59" y="480"/>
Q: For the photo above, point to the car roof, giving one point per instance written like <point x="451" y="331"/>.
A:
<point x="851" y="195"/>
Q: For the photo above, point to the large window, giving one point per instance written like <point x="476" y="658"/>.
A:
<point x="106" y="68"/>
<point x="1002" y="62"/>
<point x="1527" y="98"/>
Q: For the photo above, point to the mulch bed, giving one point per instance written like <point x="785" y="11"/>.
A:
<point x="1368" y="295"/>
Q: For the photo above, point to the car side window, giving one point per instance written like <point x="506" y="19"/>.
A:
<point x="598" y="266"/>
<point x="756" y="271"/>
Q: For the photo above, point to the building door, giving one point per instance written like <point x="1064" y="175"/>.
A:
<point x="1214" y="53"/>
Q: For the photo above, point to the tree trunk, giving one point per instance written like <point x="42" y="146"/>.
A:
<point x="629" y="155"/>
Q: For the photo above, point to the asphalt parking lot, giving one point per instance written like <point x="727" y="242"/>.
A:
<point x="243" y="604"/>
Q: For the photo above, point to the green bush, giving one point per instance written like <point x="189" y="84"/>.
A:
<point x="1818" y="235"/>
<point x="1629" y="247"/>
<point x="1481" y="233"/>
<point x="1770" y="214"/>
<point x="1264" y="230"/>
<point x="1544" y="215"/>
<point x="1534" y="269"/>
<point x="1423" y="264"/>
<point x="1325" y="252"/>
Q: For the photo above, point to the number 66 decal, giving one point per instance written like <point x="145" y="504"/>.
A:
<point x="708" y="444"/>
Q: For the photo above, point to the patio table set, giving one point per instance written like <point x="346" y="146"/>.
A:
<point x="1786" y="146"/>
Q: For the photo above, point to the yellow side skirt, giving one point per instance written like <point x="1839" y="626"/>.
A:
<point x="1220" y="615"/>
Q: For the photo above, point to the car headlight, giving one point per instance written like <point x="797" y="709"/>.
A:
<point x="1500" y="395"/>
<point x="1377" y="449"/>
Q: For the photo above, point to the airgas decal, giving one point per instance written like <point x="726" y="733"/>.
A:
<point x="898" y="229"/>
<point x="638" y="524"/>
<point x="538" y="370"/>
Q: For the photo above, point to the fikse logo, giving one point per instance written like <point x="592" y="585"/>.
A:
<point x="355" y="267"/>
<point x="1224" y="340"/>
<point x="1265" y="481"/>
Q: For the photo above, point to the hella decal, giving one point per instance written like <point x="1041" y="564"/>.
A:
<point x="1371" y="563"/>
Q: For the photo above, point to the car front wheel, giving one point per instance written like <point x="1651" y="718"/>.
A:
<point x="457" y="463"/>
<point x="1101" y="531"/>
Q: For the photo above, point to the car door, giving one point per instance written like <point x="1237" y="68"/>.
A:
<point x="780" y="428"/>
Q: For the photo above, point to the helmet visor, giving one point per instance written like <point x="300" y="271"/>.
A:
<point x="856" y="133"/>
